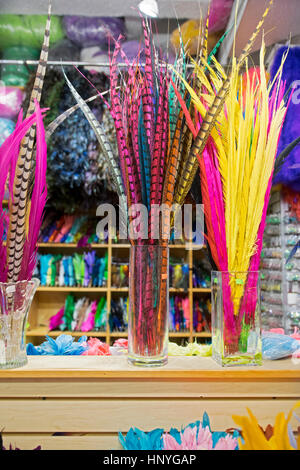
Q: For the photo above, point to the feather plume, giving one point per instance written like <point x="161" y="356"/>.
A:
<point x="19" y="204"/>
<point x="9" y="152"/>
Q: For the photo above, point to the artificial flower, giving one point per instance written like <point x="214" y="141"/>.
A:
<point x="96" y="348"/>
<point x="139" y="440"/>
<point x="192" y="438"/>
<point x="121" y="343"/>
<point x="63" y="345"/>
<point x="255" y="439"/>
<point x="191" y="349"/>
<point x="195" y="436"/>
<point x="226" y="443"/>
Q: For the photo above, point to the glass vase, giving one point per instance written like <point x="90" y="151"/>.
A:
<point x="16" y="300"/>
<point x="148" y="305"/>
<point x="236" y="320"/>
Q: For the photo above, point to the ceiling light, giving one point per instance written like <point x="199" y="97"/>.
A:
<point x="149" y="8"/>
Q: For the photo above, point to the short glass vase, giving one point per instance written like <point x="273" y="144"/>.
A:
<point x="16" y="299"/>
<point x="236" y="318"/>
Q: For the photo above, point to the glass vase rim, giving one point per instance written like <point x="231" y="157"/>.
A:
<point x="34" y="280"/>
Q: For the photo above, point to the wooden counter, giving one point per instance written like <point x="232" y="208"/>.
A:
<point x="92" y="398"/>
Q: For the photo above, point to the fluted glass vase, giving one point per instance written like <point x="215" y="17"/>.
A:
<point x="16" y="299"/>
<point x="148" y="305"/>
<point x="236" y="320"/>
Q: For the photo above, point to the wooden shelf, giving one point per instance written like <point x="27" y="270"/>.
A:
<point x="201" y="289"/>
<point x="71" y="289"/>
<point x="49" y="300"/>
<point x="72" y="245"/>
<point x="179" y="334"/>
<point x="120" y="245"/>
<point x="104" y="245"/>
<point x="119" y="334"/>
<point x="43" y="331"/>
<point x="105" y="289"/>
<point x="202" y="335"/>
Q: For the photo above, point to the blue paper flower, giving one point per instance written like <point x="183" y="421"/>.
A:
<point x="62" y="346"/>
<point x="139" y="440"/>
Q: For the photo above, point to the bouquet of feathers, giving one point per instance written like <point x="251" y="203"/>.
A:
<point x="23" y="163"/>
<point x="237" y="163"/>
<point x="147" y="108"/>
<point x="162" y="128"/>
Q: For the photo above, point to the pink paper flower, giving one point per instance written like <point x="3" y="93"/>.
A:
<point x="226" y="443"/>
<point x="121" y="343"/>
<point x="190" y="439"/>
<point x="97" y="348"/>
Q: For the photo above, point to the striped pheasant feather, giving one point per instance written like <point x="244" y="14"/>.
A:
<point x="209" y="120"/>
<point x="19" y="204"/>
<point x="102" y="139"/>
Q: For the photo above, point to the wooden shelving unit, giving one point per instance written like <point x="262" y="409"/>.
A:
<point x="48" y="300"/>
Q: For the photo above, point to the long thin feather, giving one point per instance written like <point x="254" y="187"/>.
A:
<point x="38" y="200"/>
<point x="18" y="228"/>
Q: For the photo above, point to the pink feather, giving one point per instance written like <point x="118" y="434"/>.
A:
<point x="38" y="199"/>
<point x="89" y="323"/>
<point x="57" y="319"/>
<point x="9" y="152"/>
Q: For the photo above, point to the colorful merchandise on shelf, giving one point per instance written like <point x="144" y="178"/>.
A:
<point x="21" y="37"/>
<point x="118" y="318"/>
<point x="81" y="270"/>
<point x="7" y="127"/>
<point x="28" y="30"/>
<point x="202" y="316"/>
<point x="188" y="35"/>
<point x="293" y="200"/>
<point x="11" y="99"/>
<point x="179" y="313"/>
<point x="219" y="14"/>
<point x="93" y="31"/>
<point x="80" y="315"/>
<point x="18" y="75"/>
<point x="277" y="346"/>
<point x="179" y="274"/>
<point x="201" y="274"/>
<point x="79" y="229"/>
<point x="280" y="265"/>
<point x="119" y="273"/>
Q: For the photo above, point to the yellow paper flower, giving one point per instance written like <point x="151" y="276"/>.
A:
<point x="254" y="438"/>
